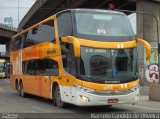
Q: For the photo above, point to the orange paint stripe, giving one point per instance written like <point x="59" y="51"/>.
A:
<point x="116" y="45"/>
<point x="124" y="86"/>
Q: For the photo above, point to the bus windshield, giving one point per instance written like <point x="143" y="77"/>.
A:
<point x="103" y="26"/>
<point x="108" y="65"/>
<point x="2" y="66"/>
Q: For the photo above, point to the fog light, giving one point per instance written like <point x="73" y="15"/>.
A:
<point x="84" y="98"/>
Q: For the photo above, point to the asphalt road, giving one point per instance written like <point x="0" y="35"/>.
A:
<point x="33" y="106"/>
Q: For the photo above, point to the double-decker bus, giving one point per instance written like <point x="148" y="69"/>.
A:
<point x="79" y="56"/>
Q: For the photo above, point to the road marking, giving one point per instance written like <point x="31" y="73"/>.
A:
<point x="7" y="80"/>
<point x="1" y="90"/>
<point x="144" y="107"/>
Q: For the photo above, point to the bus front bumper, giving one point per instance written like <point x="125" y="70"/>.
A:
<point x="89" y="99"/>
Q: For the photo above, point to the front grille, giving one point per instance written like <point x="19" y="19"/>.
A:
<point x="107" y="93"/>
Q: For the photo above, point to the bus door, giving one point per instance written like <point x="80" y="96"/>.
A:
<point x="68" y="60"/>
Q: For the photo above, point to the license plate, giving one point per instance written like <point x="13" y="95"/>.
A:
<point x="112" y="100"/>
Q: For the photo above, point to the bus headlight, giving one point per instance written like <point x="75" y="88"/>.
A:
<point x="3" y="73"/>
<point x="82" y="88"/>
<point x="84" y="98"/>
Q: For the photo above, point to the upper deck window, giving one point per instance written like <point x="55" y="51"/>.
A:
<point x="40" y="34"/>
<point x="64" y="22"/>
<point x="103" y="26"/>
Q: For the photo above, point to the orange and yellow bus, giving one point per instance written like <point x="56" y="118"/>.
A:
<point x="2" y="68"/>
<point x="79" y="56"/>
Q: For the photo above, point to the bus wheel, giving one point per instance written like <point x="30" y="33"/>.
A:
<point x="18" y="88"/>
<point x="22" y="93"/>
<point x="57" y="97"/>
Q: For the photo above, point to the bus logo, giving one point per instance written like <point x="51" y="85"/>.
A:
<point x="49" y="52"/>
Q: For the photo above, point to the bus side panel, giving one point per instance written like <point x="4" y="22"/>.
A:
<point x="12" y="82"/>
<point x="47" y="50"/>
<point x="16" y="67"/>
<point x="29" y="79"/>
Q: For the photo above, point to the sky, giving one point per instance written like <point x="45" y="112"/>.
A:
<point x="9" y="8"/>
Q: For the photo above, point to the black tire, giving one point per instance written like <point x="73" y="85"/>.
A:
<point x="18" y="88"/>
<point x="22" y="93"/>
<point x="57" y="98"/>
<point x="106" y="106"/>
<point x="53" y="97"/>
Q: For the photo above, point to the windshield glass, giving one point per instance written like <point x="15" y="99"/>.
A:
<point x="1" y="67"/>
<point x="103" y="26"/>
<point x="108" y="66"/>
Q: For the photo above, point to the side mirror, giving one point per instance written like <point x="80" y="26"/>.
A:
<point x="147" y="47"/>
<point x="76" y="45"/>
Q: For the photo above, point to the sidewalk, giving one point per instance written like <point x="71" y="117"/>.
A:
<point x="144" y="90"/>
<point x="144" y="101"/>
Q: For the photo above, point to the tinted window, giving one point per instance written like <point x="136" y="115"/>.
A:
<point x="103" y="26"/>
<point x="24" y="67"/>
<point x="16" y="43"/>
<point x="46" y="67"/>
<point x="109" y="65"/>
<point x="42" y="33"/>
<point x="40" y="67"/>
<point x="28" y="42"/>
<point x="68" y="57"/>
<point x="34" y="67"/>
<point x="51" y="67"/>
<point x="2" y="66"/>
<point x="29" y="67"/>
<point x="64" y="22"/>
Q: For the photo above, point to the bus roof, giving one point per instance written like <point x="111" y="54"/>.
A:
<point x="72" y="10"/>
<point x="91" y="10"/>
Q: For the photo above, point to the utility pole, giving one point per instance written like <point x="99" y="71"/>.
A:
<point x="18" y="12"/>
<point x="157" y="28"/>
